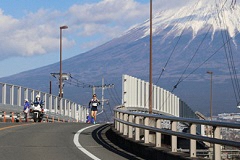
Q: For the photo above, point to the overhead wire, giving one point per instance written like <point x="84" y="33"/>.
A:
<point x="175" y="46"/>
<point x="217" y="51"/>
<point x="181" y="79"/>
<point x="112" y="96"/>
<point x="229" y="55"/>
<point x="118" y="99"/>
<point x="75" y="82"/>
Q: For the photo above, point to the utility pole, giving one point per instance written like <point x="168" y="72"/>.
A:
<point x="150" y="63"/>
<point x="103" y="86"/>
<point x="211" y="73"/>
<point x="50" y="87"/>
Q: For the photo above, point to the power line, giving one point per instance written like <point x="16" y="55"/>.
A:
<point x="202" y="63"/>
<point x="175" y="46"/>
<point x="229" y="55"/>
<point x="181" y="79"/>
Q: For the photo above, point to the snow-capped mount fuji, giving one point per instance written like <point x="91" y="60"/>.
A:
<point x="196" y="16"/>
<point x="187" y="42"/>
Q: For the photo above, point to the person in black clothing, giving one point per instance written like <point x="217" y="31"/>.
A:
<point x="94" y="102"/>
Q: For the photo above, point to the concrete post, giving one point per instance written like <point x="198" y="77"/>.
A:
<point x="137" y="130"/>
<point x="32" y="95"/>
<point x="68" y="108"/>
<point x="193" y="142"/>
<point x="115" y="122"/>
<point x="216" y="147"/>
<point x="12" y="95"/>
<point x="121" y="125"/>
<point x="174" y="138"/>
<point x="55" y="105"/>
<point x="158" y="134"/>
<point x="125" y="127"/>
<point x="50" y="103"/>
<point x="130" y="128"/>
<point x="146" y="132"/>
<point x="19" y="96"/>
<point x="4" y="93"/>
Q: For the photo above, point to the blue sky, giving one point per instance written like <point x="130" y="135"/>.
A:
<point x="29" y="29"/>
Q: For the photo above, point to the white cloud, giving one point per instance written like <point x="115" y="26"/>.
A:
<point x="107" y="19"/>
<point x="90" y="24"/>
<point x="33" y="34"/>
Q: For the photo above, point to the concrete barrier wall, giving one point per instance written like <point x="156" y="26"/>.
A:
<point x="135" y="93"/>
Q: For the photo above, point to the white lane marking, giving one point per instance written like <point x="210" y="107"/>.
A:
<point x="80" y="147"/>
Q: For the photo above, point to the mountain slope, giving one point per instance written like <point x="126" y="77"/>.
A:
<point x="186" y="44"/>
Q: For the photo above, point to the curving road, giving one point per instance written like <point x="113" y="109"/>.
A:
<point x="57" y="141"/>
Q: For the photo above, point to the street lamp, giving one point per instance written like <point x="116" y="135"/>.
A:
<point x="211" y="73"/>
<point x="60" y="77"/>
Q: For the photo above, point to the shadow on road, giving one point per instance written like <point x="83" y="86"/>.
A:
<point x="99" y="135"/>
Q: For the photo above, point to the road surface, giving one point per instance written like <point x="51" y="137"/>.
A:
<point x="57" y="141"/>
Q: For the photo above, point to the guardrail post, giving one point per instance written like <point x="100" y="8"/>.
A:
<point x="158" y="134"/>
<point x="193" y="142"/>
<point x="60" y="105"/>
<point x="121" y="125"/>
<point x="130" y="128"/>
<point x="117" y="126"/>
<point x="12" y="117"/>
<point x="19" y="96"/>
<point x="137" y="130"/>
<point x="115" y="122"/>
<point x="146" y="132"/>
<point x="4" y="93"/>
<point x="216" y="147"/>
<point x="125" y="127"/>
<point x="174" y="138"/>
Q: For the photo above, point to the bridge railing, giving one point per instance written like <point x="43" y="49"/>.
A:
<point x="135" y="93"/>
<point x="14" y="95"/>
<point x="135" y="125"/>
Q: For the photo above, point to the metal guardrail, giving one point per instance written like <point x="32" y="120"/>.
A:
<point x="128" y="123"/>
<point x="12" y="96"/>
<point x="19" y="117"/>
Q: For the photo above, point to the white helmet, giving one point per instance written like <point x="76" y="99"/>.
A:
<point x="37" y="96"/>
<point x="26" y="100"/>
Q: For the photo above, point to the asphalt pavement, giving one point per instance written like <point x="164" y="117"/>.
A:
<point x="57" y="141"/>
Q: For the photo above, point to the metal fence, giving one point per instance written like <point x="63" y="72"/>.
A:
<point x="14" y="95"/>
<point x="137" y="125"/>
